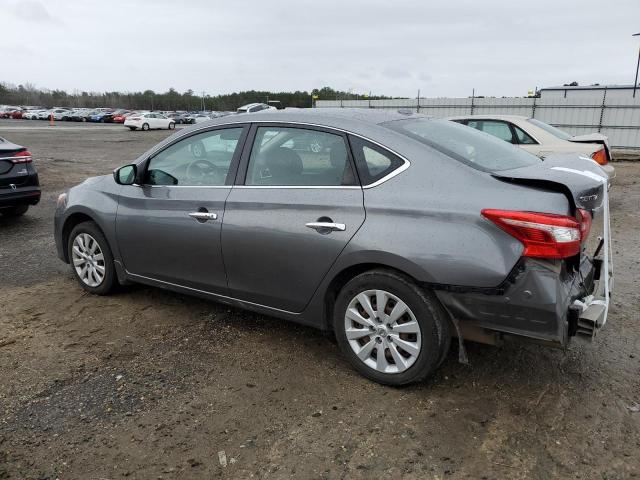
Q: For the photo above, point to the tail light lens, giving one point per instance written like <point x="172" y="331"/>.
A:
<point x="600" y="157"/>
<point x="584" y="219"/>
<point x="544" y="235"/>
<point x="22" y="157"/>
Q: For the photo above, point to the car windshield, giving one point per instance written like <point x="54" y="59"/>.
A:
<point x="556" y="132"/>
<point x="467" y="145"/>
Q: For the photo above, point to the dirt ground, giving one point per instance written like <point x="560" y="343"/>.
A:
<point x="152" y="384"/>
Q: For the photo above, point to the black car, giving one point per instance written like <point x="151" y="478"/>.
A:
<point x="19" y="186"/>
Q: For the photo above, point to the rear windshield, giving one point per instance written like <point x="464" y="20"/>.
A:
<point x="556" y="132"/>
<point x="465" y="144"/>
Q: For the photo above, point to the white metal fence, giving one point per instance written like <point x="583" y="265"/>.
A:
<point x="616" y="117"/>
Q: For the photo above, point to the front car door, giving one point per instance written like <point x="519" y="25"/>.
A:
<point x="168" y="227"/>
<point x="290" y="215"/>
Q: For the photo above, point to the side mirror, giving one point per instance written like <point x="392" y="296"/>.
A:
<point x="125" y="175"/>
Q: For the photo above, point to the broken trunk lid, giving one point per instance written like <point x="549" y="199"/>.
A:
<point x="579" y="178"/>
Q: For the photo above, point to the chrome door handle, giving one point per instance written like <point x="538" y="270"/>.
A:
<point x="204" y="216"/>
<point x="339" y="227"/>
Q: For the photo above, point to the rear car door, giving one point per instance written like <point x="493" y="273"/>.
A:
<point x="290" y="215"/>
<point x="168" y="226"/>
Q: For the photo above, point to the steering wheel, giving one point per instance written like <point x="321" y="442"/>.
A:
<point x="199" y="169"/>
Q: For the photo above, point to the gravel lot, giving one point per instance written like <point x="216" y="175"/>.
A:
<point x="152" y="384"/>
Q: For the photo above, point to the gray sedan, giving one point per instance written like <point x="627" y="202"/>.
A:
<point x="400" y="233"/>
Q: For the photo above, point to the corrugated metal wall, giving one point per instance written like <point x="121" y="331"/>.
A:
<point x="616" y="116"/>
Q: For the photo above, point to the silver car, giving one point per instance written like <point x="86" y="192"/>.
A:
<point x="399" y="234"/>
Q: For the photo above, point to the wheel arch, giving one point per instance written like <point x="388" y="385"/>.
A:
<point x="340" y="279"/>
<point x="70" y="223"/>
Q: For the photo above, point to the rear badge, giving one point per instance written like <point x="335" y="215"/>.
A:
<point x="589" y="198"/>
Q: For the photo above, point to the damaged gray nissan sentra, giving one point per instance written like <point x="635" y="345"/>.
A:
<point x="395" y="231"/>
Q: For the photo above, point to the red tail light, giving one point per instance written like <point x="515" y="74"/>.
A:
<point x="544" y="235"/>
<point x="22" y="157"/>
<point x="601" y="156"/>
<point x="585" y="220"/>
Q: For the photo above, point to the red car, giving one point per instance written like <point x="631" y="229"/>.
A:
<point x="121" y="117"/>
<point x="16" y="114"/>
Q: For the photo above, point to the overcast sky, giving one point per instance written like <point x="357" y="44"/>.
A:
<point x="391" y="47"/>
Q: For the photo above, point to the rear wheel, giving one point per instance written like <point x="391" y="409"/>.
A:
<point x="91" y="259"/>
<point x="145" y="126"/>
<point x="390" y="330"/>
<point x="15" y="211"/>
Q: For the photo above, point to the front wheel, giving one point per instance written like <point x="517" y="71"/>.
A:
<point x="145" y="126"/>
<point x="91" y="259"/>
<point x="172" y="126"/>
<point x="390" y="330"/>
<point x="132" y="128"/>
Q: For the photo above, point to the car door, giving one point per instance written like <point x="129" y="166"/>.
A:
<point x="290" y="215"/>
<point x="162" y="121"/>
<point x="168" y="226"/>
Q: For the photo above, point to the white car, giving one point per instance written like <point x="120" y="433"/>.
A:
<point x="255" y="107"/>
<point x="31" y="114"/>
<point x="148" y="121"/>
<point x="542" y="139"/>
<point x="199" y="118"/>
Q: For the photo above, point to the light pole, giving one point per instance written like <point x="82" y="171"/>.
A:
<point x="635" y="83"/>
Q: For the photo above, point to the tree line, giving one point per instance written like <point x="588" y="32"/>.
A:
<point x="30" y="95"/>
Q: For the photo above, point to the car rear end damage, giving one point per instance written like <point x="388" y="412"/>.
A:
<point x="559" y="289"/>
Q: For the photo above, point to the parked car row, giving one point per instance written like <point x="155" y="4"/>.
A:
<point x="101" y="115"/>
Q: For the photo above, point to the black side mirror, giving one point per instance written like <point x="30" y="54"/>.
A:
<point x="125" y="175"/>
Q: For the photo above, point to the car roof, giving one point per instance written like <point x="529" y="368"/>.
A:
<point x="330" y="117"/>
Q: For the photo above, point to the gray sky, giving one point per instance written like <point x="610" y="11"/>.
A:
<point x="388" y="47"/>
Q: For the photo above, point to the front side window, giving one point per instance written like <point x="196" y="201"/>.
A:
<point x="480" y="151"/>
<point x="373" y="162"/>
<point x="298" y="157"/>
<point x="200" y="160"/>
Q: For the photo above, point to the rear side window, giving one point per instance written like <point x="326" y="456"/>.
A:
<point x="523" y="137"/>
<point x="283" y="156"/>
<point x="373" y="162"/>
<point x="497" y="129"/>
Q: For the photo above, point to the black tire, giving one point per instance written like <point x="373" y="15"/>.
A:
<point x="16" y="211"/>
<point x="110" y="279"/>
<point x="133" y="128"/>
<point x="172" y="125"/>
<point x="145" y="127"/>
<point x="431" y="317"/>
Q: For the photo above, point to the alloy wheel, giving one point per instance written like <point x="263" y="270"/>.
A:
<point x="88" y="260"/>
<point x="382" y="331"/>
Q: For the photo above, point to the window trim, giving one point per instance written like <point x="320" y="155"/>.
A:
<point x="246" y="154"/>
<point x="233" y="166"/>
